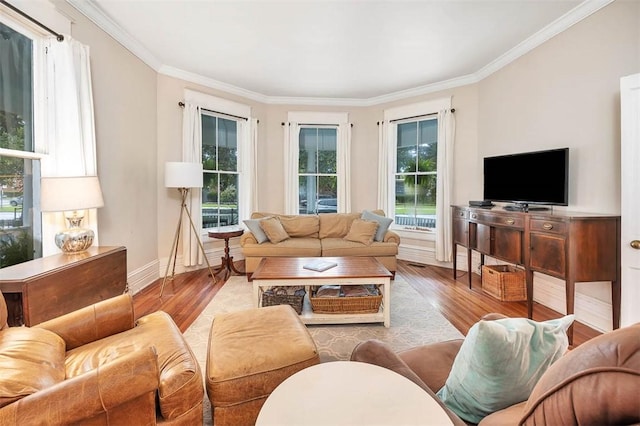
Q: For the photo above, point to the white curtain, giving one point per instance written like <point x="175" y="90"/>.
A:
<point x="343" y="167"/>
<point x="386" y="165"/>
<point x="249" y="162"/>
<point x="291" y="136"/>
<point x="446" y="138"/>
<point x="192" y="153"/>
<point x="70" y="138"/>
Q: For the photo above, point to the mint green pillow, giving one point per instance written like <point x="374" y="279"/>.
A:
<point x="500" y="362"/>
<point x="383" y="223"/>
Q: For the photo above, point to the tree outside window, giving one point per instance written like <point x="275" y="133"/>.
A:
<point x="416" y="173"/>
<point x="220" y="168"/>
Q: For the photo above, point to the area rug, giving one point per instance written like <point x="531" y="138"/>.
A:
<point x="414" y="321"/>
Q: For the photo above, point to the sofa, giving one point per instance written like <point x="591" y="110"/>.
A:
<point x="99" y="366"/>
<point x="597" y="383"/>
<point x="321" y="235"/>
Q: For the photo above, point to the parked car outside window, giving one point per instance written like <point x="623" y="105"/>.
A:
<point x="327" y="205"/>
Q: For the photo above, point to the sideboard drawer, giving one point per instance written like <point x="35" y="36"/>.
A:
<point x="550" y="226"/>
<point x="513" y="221"/>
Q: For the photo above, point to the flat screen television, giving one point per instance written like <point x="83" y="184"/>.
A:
<point x="539" y="178"/>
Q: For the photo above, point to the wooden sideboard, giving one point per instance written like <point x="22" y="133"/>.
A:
<point x="575" y="247"/>
<point x="42" y="289"/>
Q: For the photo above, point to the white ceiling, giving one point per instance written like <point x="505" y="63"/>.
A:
<point x="361" y="51"/>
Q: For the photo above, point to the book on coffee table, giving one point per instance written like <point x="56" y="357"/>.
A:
<point x="319" y="265"/>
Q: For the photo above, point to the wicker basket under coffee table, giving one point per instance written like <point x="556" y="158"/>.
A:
<point x="289" y="271"/>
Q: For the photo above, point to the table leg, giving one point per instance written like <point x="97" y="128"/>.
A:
<point x="386" y="300"/>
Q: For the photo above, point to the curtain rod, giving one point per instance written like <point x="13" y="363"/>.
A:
<point x="59" y="36"/>
<point x="314" y="124"/>
<point x="418" y="116"/>
<point x="181" y="105"/>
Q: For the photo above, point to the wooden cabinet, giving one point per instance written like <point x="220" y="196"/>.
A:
<point x="46" y="288"/>
<point x="575" y="247"/>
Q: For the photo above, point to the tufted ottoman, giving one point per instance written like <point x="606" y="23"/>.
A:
<point x="250" y="353"/>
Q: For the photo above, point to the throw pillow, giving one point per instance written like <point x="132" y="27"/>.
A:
<point x="274" y="229"/>
<point x="256" y="230"/>
<point x="500" y="362"/>
<point x="362" y="231"/>
<point x="383" y="223"/>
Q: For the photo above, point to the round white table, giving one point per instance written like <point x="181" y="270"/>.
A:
<point x="350" y="393"/>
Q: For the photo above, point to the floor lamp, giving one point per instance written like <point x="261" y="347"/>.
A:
<point x="183" y="177"/>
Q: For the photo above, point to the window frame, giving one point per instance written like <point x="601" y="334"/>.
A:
<point x="393" y="116"/>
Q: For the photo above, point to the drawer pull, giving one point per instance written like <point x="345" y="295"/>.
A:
<point x="510" y="221"/>
<point x="547" y="226"/>
<point x="635" y="244"/>
<point x="461" y="214"/>
<point x="474" y="216"/>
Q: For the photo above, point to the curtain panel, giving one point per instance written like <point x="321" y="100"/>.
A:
<point x="192" y="153"/>
<point x="69" y="116"/>
<point x="444" y="185"/>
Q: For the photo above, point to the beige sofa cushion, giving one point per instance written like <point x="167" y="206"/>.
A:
<point x="293" y="247"/>
<point x="337" y="247"/>
<point x="336" y="225"/>
<point x="274" y="230"/>
<point x="295" y="225"/>
<point x="362" y="231"/>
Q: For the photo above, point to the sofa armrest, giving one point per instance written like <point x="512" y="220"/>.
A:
<point x="432" y="362"/>
<point x="391" y="237"/>
<point x="94" y="322"/>
<point x="379" y="353"/>
<point x="121" y="392"/>
<point x="247" y="238"/>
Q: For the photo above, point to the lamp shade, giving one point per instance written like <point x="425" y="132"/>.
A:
<point x="182" y="175"/>
<point x="59" y="194"/>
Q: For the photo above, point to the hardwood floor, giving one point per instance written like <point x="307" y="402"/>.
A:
<point x="189" y="293"/>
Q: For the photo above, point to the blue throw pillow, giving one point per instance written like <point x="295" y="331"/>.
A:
<point x="500" y="362"/>
<point x="383" y="224"/>
<point x="256" y="230"/>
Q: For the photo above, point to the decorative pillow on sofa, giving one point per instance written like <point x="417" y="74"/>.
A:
<point x="500" y="362"/>
<point x="274" y="229"/>
<point x="256" y="230"/>
<point x="383" y="223"/>
<point x="362" y="231"/>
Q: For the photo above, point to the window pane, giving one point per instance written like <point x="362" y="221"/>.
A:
<point x="327" y="150"/>
<point x="308" y="151"/>
<point x="209" y="152"/>
<point x="227" y="145"/>
<point x="19" y="237"/>
<point x="228" y="199"/>
<point x="307" y="194"/>
<point x="428" y="146"/>
<point x="406" y="155"/>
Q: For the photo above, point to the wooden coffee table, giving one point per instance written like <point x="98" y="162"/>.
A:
<point x="289" y="271"/>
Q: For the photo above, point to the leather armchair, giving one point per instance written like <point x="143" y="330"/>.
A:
<point x="596" y="383"/>
<point x="99" y="366"/>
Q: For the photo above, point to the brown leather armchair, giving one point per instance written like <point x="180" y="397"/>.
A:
<point x="596" y="383"/>
<point x="99" y="366"/>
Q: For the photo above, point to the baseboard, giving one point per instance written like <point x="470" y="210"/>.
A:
<point x="142" y="277"/>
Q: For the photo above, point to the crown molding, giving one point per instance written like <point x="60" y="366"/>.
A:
<point x="92" y="11"/>
<point x="575" y="15"/>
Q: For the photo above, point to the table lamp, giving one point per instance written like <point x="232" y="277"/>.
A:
<point x="71" y="194"/>
<point x="183" y="176"/>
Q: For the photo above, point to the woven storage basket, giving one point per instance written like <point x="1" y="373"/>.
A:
<point x="504" y="282"/>
<point x="345" y="305"/>
<point x="276" y="296"/>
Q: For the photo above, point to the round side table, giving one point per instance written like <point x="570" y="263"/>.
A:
<point x="350" y="393"/>
<point x="225" y="233"/>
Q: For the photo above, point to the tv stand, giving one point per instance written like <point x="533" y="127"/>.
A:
<point x="574" y="247"/>
<point x="524" y="207"/>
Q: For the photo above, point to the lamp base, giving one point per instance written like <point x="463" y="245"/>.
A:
<point x="74" y="240"/>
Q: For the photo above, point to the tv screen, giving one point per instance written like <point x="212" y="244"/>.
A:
<point x="540" y="177"/>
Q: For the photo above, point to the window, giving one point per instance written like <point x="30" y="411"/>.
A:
<point x="20" y="225"/>
<point x="220" y="164"/>
<point x="317" y="170"/>
<point x="416" y="173"/>
<point x="317" y="146"/>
